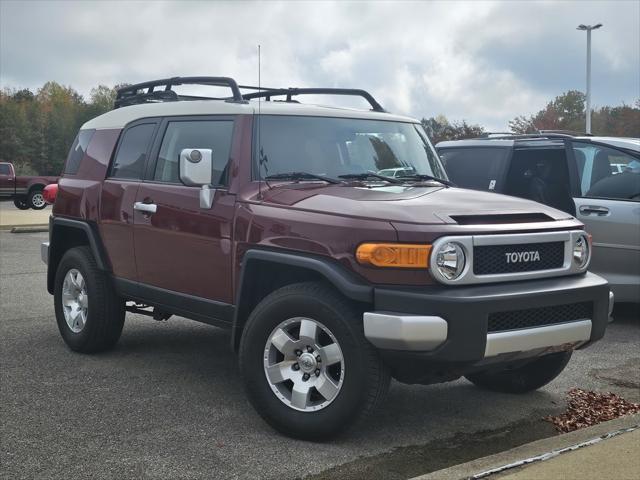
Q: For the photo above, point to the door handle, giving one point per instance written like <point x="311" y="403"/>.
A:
<point x="589" y="209"/>
<point x="145" y="207"/>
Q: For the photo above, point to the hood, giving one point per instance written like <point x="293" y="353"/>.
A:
<point x="422" y="204"/>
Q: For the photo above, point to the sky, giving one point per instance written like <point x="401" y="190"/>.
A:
<point x="484" y="62"/>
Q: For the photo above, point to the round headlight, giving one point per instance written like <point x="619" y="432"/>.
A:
<point x="581" y="252"/>
<point x="450" y="260"/>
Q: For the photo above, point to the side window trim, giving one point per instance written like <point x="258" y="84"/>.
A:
<point x="152" y="159"/>
<point x="114" y="155"/>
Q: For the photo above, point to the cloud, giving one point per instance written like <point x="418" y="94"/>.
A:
<point x="485" y="62"/>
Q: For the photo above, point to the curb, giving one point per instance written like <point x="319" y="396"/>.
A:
<point x="25" y="228"/>
<point x="538" y="448"/>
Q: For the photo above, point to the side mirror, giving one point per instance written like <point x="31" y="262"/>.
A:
<point x="195" y="166"/>
<point x="195" y="170"/>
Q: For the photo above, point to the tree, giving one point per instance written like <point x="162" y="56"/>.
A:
<point x="439" y="129"/>
<point x="567" y="112"/>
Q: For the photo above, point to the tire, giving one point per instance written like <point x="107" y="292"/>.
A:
<point x="525" y="378"/>
<point x="98" y="327"/>
<point x="362" y="378"/>
<point x="35" y="199"/>
<point x="21" y="204"/>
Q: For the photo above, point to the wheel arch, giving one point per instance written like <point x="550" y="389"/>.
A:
<point x="264" y="271"/>
<point x="64" y="234"/>
<point x="35" y="186"/>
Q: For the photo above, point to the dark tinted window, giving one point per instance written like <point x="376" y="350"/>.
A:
<point x="478" y="168"/>
<point x="203" y="134"/>
<point x="5" y="169"/>
<point x="77" y="151"/>
<point x="541" y="175"/>
<point x="132" y="153"/>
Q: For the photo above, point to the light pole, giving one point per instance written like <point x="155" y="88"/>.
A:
<point x="588" y="28"/>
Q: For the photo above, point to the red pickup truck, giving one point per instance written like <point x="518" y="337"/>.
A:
<point x="26" y="191"/>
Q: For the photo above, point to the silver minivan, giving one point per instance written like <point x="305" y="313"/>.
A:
<point x="596" y="179"/>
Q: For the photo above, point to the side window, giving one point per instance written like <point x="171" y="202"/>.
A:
<point x="4" y="169"/>
<point x="476" y="168"/>
<point x="132" y="153"/>
<point x="211" y="134"/>
<point x="77" y="151"/>
<point x="607" y="172"/>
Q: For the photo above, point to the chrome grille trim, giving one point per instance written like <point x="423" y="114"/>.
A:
<point x="468" y="242"/>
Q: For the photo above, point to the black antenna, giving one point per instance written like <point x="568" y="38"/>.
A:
<point x="259" y="140"/>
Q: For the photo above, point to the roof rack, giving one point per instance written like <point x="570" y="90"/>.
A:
<point x="267" y="93"/>
<point x="522" y="136"/>
<point x="146" y="92"/>
<point x="567" y="132"/>
<point x="162" y="91"/>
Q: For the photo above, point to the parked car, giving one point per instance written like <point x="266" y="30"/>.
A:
<point x="271" y="221"/>
<point x="26" y="191"/>
<point x="397" y="172"/>
<point x="576" y="174"/>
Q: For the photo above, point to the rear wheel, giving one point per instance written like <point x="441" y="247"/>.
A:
<point x="89" y="314"/>
<point x="307" y="367"/>
<point x="21" y="203"/>
<point x="531" y="376"/>
<point x="35" y="199"/>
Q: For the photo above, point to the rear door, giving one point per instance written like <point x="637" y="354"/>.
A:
<point x="184" y="251"/>
<point x="608" y="203"/>
<point x="118" y="195"/>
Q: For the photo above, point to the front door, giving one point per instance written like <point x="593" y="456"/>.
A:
<point x="7" y="180"/>
<point x="609" y="206"/>
<point x="182" y="250"/>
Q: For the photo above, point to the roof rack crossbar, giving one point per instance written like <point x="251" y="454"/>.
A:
<point x="134" y="94"/>
<point x="522" y="136"/>
<point x="292" y="92"/>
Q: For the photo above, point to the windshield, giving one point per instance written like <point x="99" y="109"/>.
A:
<point x="340" y="146"/>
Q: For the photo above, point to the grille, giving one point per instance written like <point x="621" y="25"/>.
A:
<point x="537" y="317"/>
<point x="496" y="259"/>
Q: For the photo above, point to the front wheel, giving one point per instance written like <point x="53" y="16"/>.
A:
<point x="307" y="367"/>
<point x="21" y="204"/>
<point x="35" y="199"/>
<point x="531" y="376"/>
<point x="89" y="314"/>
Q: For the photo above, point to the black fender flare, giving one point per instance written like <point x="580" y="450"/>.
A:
<point x="57" y="225"/>
<point x="345" y="281"/>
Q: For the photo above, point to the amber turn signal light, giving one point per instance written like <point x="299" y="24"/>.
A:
<point x="396" y="255"/>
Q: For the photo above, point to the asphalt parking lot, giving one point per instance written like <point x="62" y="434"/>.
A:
<point x="168" y="403"/>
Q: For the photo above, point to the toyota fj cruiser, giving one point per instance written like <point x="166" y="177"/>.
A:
<point x="269" y="218"/>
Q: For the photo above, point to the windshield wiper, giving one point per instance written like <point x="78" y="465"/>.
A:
<point x="297" y="176"/>
<point x="419" y="176"/>
<point x="364" y="176"/>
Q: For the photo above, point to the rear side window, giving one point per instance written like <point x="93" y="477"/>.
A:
<point x="477" y="168"/>
<point x="5" y="169"/>
<point x="77" y="151"/>
<point x="203" y="134"/>
<point x="132" y="153"/>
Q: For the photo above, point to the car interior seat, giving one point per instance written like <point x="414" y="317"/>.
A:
<point x="601" y="167"/>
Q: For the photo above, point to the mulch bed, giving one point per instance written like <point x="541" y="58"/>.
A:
<point x="587" y="408"/>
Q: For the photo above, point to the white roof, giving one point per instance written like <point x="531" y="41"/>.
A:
<point x="119" y="117"/>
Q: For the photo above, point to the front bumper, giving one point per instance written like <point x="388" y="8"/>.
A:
<point x="450" y="325"/>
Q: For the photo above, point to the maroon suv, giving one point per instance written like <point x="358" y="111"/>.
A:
<point x="275" y="220"/>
